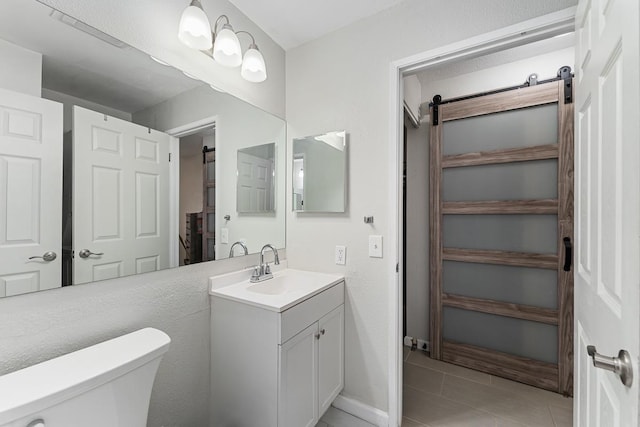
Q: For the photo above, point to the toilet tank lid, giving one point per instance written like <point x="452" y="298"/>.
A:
<point x="40" y="386"/>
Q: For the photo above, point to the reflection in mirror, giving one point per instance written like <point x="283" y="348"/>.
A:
<point x="112" y="164"/>
<point x="319" y="173"/>
<point x="256" y="172"/>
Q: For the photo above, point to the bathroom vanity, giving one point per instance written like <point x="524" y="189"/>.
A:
<point x="277" y="349"/>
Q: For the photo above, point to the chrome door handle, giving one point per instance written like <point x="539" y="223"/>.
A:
<point x="48" y="256"/>
<point x="86" y="253"/>
<point x="620" y="365"/>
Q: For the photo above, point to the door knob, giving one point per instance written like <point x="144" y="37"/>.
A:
<point x="620" y="365"/>
<point x="48" y="256"/>
<point x="86" y="253"/>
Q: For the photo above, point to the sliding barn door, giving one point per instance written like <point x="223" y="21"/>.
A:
<point x="501" y="231"/>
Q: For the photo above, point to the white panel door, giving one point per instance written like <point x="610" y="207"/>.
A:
<point x="121" y="197"/>
<point x="298" y="398"/>
<point x="607" y="199"/>
<point x="255" y="178"/>
<point x="30" y="193"/>
<point x="330" y="358"/>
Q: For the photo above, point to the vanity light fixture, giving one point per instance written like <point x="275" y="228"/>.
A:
<point x="226" y="46"/>
<point x="222" y="44"/>
<point x="195" y="29"/>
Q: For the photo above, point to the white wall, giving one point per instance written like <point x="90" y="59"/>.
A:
<point x="495" y="77"/>
<point x="238" y="125"/>
<point x="412" y="95"/>
<point x="152" y="26"/>
<point x="417" y="239"/>
<point x="341" y="81"/>
<point x="21" y="69"/>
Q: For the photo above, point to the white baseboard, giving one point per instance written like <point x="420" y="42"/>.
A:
<point x="422" y="344"/>
<point x="363" y="411"/>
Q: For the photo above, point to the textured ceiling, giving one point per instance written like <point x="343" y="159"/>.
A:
<point x="291" y="23"/>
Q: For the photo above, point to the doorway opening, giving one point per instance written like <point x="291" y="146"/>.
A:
<point x="195" y="169"/>
<point x="448" y="63"/>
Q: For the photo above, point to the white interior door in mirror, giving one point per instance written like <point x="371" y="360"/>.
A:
<point x="255" y="183"/>
<point x="30" y="193"/>
<point x="121" y="204"/>
<point x="607" y="199"/>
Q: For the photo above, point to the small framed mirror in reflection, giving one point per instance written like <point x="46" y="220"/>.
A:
<point x="319" y="173"/>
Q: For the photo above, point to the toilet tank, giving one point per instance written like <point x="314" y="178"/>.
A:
<point x="105" y="385"/>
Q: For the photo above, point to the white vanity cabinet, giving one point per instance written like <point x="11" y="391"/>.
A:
<point x="276" y="368"/>
<point x="311" y="371"/>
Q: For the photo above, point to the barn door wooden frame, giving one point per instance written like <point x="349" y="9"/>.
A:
<point x="556" y="377"/>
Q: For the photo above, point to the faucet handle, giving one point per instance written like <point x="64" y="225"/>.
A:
<point x="267" y="268"/>
<point x="256" y="272"/>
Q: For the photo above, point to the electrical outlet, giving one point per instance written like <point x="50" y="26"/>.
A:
<point x="341" y="255"/>
<point x="224" y="235"/>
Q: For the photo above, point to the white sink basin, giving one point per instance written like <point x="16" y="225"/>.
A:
<point x="287" y="288"/>
<point x="282" y="283"/>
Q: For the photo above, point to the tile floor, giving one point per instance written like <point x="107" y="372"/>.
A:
<point x="441" y="394"/>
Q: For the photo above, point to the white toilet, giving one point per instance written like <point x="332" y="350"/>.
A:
<point x="105" y="385"/>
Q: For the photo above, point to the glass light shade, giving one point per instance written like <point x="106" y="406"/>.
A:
<point x="226" y="48"/>
<point x="195" y="29"/>
<point x="253" y="66"/>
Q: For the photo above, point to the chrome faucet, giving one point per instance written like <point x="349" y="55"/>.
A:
<point x="263" y="271"/>
<point x="244" y="247"/>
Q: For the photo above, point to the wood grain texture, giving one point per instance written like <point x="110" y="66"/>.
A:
<point x="518" y="259"/>
<point x="507" y="155"/>
<point x="565" y="229"/>
<point x="498" y="102"/>
<point x="555" y="377"/>
<point x="500" y="308"/>
<point x="435" y="239"/>
<point x="500" y="207"/>
<point x="522" y="369"/>
<point x="207" y="208"/>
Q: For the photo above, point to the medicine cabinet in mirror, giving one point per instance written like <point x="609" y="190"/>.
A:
<point x="112" y="163"/>
<point x="319" y="173"/>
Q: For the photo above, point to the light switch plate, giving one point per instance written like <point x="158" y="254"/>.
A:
<point x="341" y="255"/>
<point x="224" y="235"/>
<point x="375" y="246"/>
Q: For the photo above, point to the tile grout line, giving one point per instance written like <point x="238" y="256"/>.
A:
<point x="416" y="421"/>
<point x="528" y="399"/>
<point x="552" y="418"/>
<point x="468" y="405"/>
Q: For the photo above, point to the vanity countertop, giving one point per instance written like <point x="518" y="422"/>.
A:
<point x="287" y="288"/>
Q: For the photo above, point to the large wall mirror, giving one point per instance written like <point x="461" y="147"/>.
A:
<point x="319" y="173"/>
<point x="113" y="164"/>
